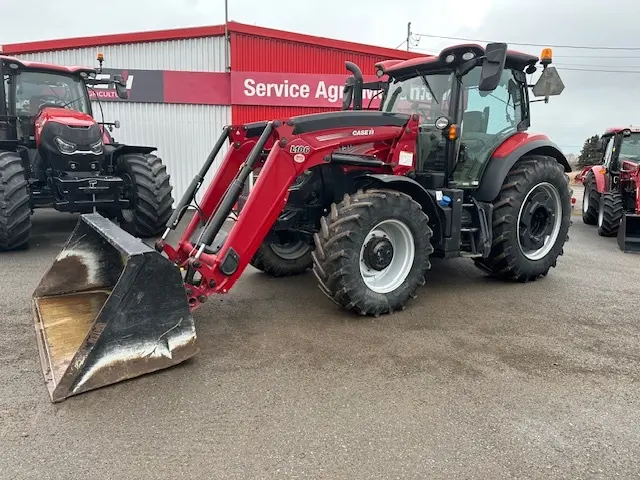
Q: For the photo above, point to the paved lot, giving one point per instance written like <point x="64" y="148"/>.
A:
<point x="477" y="379"/>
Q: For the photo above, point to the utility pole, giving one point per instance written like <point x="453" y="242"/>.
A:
<point x="226" y="36"/>
<point x="408" y="35"/>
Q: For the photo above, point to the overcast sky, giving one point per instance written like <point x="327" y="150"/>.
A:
<point x="592" y="100"/>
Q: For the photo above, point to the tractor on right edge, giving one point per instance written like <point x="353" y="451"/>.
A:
<point x="611" y="189"/>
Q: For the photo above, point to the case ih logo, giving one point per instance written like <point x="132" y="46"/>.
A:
<point x="362" y="133"/>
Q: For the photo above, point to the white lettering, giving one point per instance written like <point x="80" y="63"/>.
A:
<point x="278" y="90"/>
<point x="321" y="90"/>
<point x="249" y="87"/>
<point x="362" y="133"/>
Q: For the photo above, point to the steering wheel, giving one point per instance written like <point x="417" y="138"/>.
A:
<point x="49" y="101"/>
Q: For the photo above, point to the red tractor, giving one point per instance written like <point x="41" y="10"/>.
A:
<point x="445" y="169"/>
<point x="611" y="189"/>
<point x="53" y="154"/>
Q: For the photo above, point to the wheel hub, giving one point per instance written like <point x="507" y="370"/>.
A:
<point x="387" y="255"/>
<point x="539" y="221"/>
<point x="378" y="253"/>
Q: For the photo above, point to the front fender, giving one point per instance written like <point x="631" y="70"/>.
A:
<point x="126" y="149"/>
<point x="498" y="167"/>
<point x="415" y="191"/>
<point x="599" y="176"/>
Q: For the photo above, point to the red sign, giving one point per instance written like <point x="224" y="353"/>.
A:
<point x="294" y="89"/>
<point x="236" y="88"/>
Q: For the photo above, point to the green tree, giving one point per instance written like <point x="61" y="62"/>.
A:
<point x="589" y="155"/>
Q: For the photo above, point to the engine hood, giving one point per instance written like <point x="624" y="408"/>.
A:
<point x="62" y="117"/>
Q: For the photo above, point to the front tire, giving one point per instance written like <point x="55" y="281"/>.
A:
<point x="531" y="220"/>
<point x="151" y="189"/>
<point x="372" y="251"/>
<point x="610" y="214"/>
<point x="590" y="200"/>
<point x="283" y="258"/>
<point x="15" y="209"/>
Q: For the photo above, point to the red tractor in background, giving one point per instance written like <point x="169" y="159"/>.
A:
<point x="53" y="154"/>
<point x="446" y="169"/>
<point x="611" y="197"/>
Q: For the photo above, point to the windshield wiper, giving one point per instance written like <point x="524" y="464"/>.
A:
<point x="72" y="101"/>
<point x="424" y="79"/>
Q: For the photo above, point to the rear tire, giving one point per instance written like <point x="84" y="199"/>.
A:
<point x="590" y="200"/>
<point x="347" y="253"/>
<point x="283" y="259"/>
<point x="522" y="223"/>
<point x="610" y="214"/>
<point x="152" y="199"/>
<point x="15" y="209"/>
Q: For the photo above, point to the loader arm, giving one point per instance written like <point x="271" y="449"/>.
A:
<point x="295" y="146"/>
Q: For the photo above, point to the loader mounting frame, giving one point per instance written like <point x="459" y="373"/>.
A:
<point x="293" y="148"/>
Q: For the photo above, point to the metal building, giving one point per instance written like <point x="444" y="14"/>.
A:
<point x="186" y="84"/>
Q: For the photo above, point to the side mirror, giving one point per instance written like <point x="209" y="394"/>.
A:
<point x="121" y="87"/>
<point x="116" y="123"/>
<point x="548" y="84"/>
<point x="492" y="66"/>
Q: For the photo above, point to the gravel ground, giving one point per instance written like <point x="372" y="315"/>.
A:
<point x="476" y="379"/>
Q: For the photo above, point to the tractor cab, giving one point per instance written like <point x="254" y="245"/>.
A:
<point x="620" y="148"/>
<point x="469" y="100"/>
<point x="34" y="91"/>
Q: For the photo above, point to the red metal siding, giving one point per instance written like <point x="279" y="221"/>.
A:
<point x="257" y="113"/>
<point x="260" y="54"/>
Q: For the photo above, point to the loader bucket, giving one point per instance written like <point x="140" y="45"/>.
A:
<point x="629" y="233"/>
<point x="110" y="308"/>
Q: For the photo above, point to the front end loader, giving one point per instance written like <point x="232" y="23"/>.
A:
<point x="444" y="169"/>
<point x="611" y="200"/>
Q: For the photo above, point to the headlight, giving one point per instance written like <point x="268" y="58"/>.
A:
<point x="65" y="147"/>
<point x="96" y="147"/>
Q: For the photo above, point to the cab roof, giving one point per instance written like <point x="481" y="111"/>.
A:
<point x="394" y="68"/>
<point x="616" y="130"/>
<point x="29" y="65"/>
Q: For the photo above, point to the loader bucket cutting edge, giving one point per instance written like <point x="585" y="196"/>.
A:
<point x="629" y="233"/>
<point x="110" y="308"/>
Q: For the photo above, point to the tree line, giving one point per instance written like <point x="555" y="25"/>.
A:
<point x="589" y="155"/>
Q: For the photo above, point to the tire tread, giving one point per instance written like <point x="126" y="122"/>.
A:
<point x="15" y="208"/>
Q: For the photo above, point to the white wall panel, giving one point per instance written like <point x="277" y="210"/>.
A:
<point x="183" y="134"/>
<point x="204" y="54"/>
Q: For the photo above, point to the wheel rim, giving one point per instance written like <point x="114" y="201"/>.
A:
<point x="539" y="221"/>
<point x="585" y="200"/>
<point x="291" y="250"/>
<point x="386" y="256"/>
<point x="601" y="214"/>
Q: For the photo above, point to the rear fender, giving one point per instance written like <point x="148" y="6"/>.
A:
<point x="415" y="191"/>
<point x="498" y="167"/>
